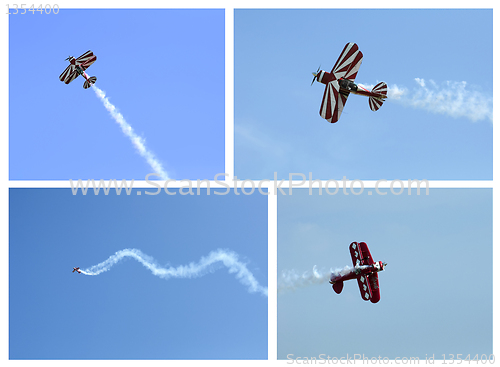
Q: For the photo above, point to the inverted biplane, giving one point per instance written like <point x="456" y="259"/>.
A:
<point x="340" y="83"/>
<point x="77" y="67"/>
<point x="365" y="271"/>
<point x="77" y="270"/>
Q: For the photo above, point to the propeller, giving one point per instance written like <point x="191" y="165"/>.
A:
<point x="69" y="58"/>
<point x="315" y="75"/>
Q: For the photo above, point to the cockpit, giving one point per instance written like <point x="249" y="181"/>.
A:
<point x="348" y="85"/>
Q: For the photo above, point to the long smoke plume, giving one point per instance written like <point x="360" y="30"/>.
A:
<point x="213" y="261"/>
<point x="138" y="142"/>
<point x="291" y="280"/>
<point x="450" y="98"/>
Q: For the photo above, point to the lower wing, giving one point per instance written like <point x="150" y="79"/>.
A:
<point x="69" y="74"/>
<point x="87" y="59"/>
<point x="333" y="102"/>
<point x="373" y="281"/>
<point x="368" y="287"/>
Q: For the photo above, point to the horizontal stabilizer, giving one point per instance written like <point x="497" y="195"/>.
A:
<point x="376" y="103"/>
<point x="89" y="82"/>
<point x="338" y="286"/>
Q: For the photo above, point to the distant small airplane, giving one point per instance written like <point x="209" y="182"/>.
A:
<point x="77" y="270"/>
<point x="77" y="67"/>
<point x="365" y="271"/>
<point x="340" y="83"/>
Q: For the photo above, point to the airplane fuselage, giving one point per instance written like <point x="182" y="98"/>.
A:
<point x="81" y="72"/>
<point x="357" y="271"/>
<point x="348" y="86"/>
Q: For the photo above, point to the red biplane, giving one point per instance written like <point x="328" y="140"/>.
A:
<point x="340" y="83"/>
<point x="77" y="270"/>
<point x="365" y="271"/>
<point x="77" y="67"/>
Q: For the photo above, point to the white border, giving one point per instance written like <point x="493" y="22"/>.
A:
<point x="229" y="157"/>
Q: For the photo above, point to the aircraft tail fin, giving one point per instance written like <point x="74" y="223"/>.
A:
<point x="89" y="82"/>
<point x="376" y="103"/>
<point x="338" y="286"/>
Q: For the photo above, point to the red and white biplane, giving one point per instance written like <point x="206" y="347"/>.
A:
<point x="77" y="270"/>
<point x="365" y="271"/>
<point x="77" y="67"/>
<point x="340" y="83"/>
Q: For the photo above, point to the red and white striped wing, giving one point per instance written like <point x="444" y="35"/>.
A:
<point x="87" y="59"/>
<point x="348" y="64"/>
<point x="69" y="74"/>
<point x="333" y="102"/>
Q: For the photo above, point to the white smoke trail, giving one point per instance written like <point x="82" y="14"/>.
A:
<point x="291" y="280"/>
<point x="215" y="259"/>
<point x="450" y="98"/>
<point x="138" y="142"/>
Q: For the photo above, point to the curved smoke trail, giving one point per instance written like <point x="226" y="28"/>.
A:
<point x="451" y="98"/>
<point x="215" y="259"/>
<point x="291" y="280"/>
<point x="138" y="142"/>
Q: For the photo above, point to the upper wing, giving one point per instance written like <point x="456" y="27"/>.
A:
<point x="355" y="253"/>
<point x="360" y="253"/>
<point x="348" y="63"/>
<point x="366" y="257"/>
<point x="69" y="74"/>
<point x="368" y="287"/>
<point x="66" y="73"/>
<point x="333" y="102"/>
<point x="87" y="59"/>
<point x="71" y="77"/>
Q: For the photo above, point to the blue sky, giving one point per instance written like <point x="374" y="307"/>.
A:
<point x="164" y="71"/>
<point x="436" y="291"/>
<point x="128" y="313"/>
<point x="277" y="122"/>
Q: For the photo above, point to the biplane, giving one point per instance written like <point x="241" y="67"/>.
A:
<point x="365" y="271"/>
<point x="340" y="83"/>
<point x="77" y="270"/>
<point x="77" y="67"/>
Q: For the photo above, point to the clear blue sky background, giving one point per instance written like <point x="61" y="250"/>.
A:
<point x="127" y="313"/>
<point x="163" y="69"/>
<point x="277" y="122"/>
<point x="436" y="292"/>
